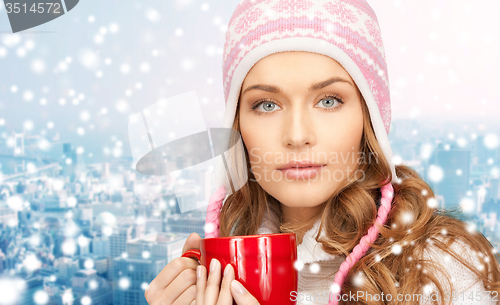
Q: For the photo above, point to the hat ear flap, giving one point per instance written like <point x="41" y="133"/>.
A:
<point x="213" y="213"/>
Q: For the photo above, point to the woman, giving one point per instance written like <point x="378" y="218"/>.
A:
<point x="307" y="81"/>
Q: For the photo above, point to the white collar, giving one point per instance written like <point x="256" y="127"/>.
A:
<point x="309" y="250"/>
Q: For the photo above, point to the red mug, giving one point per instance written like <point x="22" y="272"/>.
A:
<point x="263" y="263"/>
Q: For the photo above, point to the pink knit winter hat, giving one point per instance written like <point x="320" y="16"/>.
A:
<point x="346" y="30"/>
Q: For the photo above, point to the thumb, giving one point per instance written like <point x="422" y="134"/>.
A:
<point x="192" y="242"/>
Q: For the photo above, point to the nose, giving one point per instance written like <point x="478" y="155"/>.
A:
<point x="298" y="128"/>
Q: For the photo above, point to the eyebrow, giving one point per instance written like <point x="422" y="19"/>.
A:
<point x="313" y="87"/>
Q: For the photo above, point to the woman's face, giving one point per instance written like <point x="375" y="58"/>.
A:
<point x="300" y="106"/>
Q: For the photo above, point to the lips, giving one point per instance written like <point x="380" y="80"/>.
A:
<point x="300" y="173"/>
<point x="303" y="169"/>
<point x="296" y="164"/>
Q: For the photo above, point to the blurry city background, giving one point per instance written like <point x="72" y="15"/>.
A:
<point x="79" y="225"/>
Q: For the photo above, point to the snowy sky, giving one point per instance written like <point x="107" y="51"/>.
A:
<point x="83" y="74"/>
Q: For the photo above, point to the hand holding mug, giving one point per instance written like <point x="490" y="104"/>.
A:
<point x="261" y="266"/>
<point x="176" y="282"/>
<point x="208" y="290"/>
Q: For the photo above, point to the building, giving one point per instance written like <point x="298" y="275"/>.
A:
<point x="118" y="240"/>
<point x="185" y="223"/>
<point x="86" y="283"/>
<point x="8" y="217"/>
<point x="146" y="257"/>
<point x="101" y="246"/>
<point x="455" y="165"/>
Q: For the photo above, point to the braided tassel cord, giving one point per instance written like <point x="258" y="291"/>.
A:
<point x="363" y="246"/>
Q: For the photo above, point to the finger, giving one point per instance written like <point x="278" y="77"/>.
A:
<point x="186" y="297"/>
<point x="201" y="283"/>
<point x="241" y="295"/>
<point x="225" y="297"/>
<point x="213" y="283"/>
<point x="168" y="274"/>
<point x="186" y="279"/>
<point x="192" y="242"/>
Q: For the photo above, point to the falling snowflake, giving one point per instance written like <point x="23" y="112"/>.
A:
<point x="152" y="15"/>
<point x="435" y="174"/>
<point x="298" y="265"/>
<point x="69" y="247"/>
<point x="83" y="241"/>
<point x="209" y="227"/>
<point x="15" y="203"/>
<point x="41" y="297"/>
<point x="86" y="300"/>
<point x="67" y="296"/>
<point x="397" y="160"/>
<point x="396" y="249"/>
<point x="31" y="262"/>
<point x="491" y="141"/>
<point x="471" y="227"/>
<point x="432" y="203"/>
<point x="124" y="283"/>
<point x="359" y="279"/>
<point x="428" y="289"/>
<point x="467" y="205"/>
<point x="407" y="217"/>
<point x="89" y="263"/>
<point x="113" y="27"/>
<point x="335" y="288"/>
<point x="71" y="202"/>
<point x="125" y="68"/>
<point x="314" y="268"/>
<point x="37" y="66"/>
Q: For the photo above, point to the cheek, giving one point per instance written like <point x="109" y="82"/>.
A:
<point x="346" y="136"/>
<point x="259" y="155"/>
<point x="257" y="142"/>
<point x="254" y="148"/>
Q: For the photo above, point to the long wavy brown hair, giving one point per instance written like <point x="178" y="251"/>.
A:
<point x="349" y="213"/>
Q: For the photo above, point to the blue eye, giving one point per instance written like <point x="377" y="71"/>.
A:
<point x="268" y="106"/>
<point x="331" y="101"/>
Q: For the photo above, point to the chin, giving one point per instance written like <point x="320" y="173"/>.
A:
<point x="294" y="203"/>
<point x="301" y="195"/>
